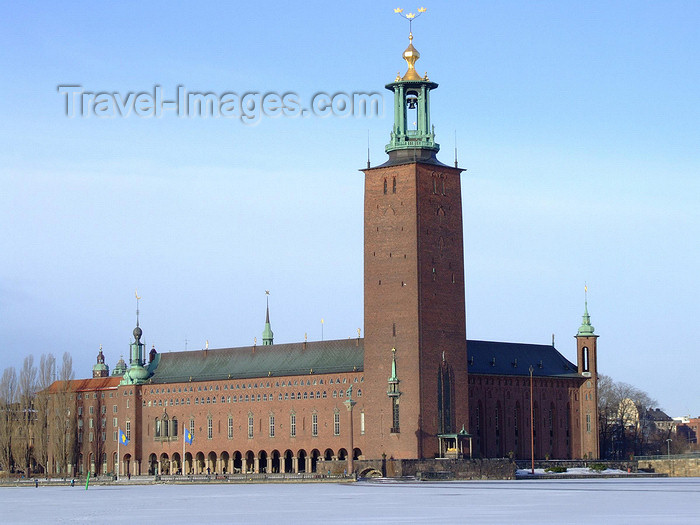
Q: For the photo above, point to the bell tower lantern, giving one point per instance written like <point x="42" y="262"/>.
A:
<point x="412" y="128"/>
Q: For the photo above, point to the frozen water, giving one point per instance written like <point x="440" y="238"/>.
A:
<point x="637" y="501"/>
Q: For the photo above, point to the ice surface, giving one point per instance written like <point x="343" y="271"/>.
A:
<point x="637" y="501"/>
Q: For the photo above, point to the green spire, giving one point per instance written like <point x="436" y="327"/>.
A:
<point x="393" y="378"/>
<point x="586" y="329"/>
<point x="267" y="335"/>
<point x="136" y="372"/>
<point x="393" y="390"/>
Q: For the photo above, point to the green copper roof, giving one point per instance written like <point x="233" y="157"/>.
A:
<point x="393" y="378"/>
<point x="586" y="329"/>
<point x="317" y="357"/>
<point x="267" y="335"/>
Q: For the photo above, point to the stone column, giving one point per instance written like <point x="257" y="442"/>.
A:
<point x="308" y="464"/>
<point x="349" y="403"/>
<point x="256" y="464"/>
<point x="295" y="464"/>
<point x="269" y="464"/>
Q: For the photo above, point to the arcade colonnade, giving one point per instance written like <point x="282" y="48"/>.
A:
<point x="262" y="461"/>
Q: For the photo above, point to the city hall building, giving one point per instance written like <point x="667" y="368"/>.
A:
<point x="413" y="387"/>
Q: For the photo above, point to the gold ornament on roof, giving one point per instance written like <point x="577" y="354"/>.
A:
<point x="411" y="54"/>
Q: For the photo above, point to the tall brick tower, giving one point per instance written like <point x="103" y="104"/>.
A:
<point x="415" y="327"/>
<point x="587" y="362"/>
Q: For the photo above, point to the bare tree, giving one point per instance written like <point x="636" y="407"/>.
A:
<point x="623" y="424"/>
<point x="63" y="418"/>
<point x="23" y="445"/>
<point x="8" y="410"/>
<point x="47" y="375"/>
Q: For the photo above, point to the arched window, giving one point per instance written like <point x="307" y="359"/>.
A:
<point x="174" y="427"/>
<point x="393" y="186"/>
<point x="585" y="359"/>
<point x="384" y="186"/>
<point x="444" y="397"/>
<point x="157" y="427"/>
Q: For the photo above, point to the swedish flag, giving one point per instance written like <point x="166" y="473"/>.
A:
<point x="122" y="438"/>
<point x="188" y="436"/>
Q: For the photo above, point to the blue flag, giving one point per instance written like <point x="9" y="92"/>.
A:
<point x="122" y="438"/>
<point x="188" y="437"/>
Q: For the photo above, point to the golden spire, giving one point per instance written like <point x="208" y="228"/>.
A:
<point x="411" y="54"/>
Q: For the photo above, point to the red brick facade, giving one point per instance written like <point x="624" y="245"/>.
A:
<point x="415" y="380"/>
<point x="414" y="302"/>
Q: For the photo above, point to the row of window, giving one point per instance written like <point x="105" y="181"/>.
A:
<point x="248" y="397"/>
<point x="242" y="386"/>
<point x="271" y="425"/>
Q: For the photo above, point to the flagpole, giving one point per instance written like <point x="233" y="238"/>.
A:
<point x="182" y="461"/>
<point x="119" y="459"/>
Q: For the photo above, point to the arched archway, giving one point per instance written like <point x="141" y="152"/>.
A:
<point x="225" y="466"/>
<point x="211" y="463"/>
<point x="301" y="460"/>
<point x="342" y="454"/>
<point x="115" y="463"/>
<point x="199" y="463"/>
<point x="176" y="464"/>
<point x="126" y="464"/>
<point x="250" y="461"/>
<point x="189" y="466"/>
<point x="237" y="462"/>
<point x="328" y="454"/>
<point x="152" y="465"/>
<point x="288" y="461"/>
<point x="164" y="467"/>
<point x="262" y="461"/>
<point x="275" y="460"/>
<point x="315" y="454"/>
<point x="356" y="453"/>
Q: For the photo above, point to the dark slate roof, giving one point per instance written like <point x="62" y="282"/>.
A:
<point x="658" y="415"/>
<point x="323" y="357"/>
<point x="514" y="359"/>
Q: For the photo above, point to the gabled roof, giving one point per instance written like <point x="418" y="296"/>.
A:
<point x="81" y="385"/>
<point x="317" y="357"/>
<point x="514" y="359"/>
<point x="658" y="415"/>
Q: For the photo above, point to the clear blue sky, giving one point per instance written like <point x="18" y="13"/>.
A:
<point x="578" y="124"/>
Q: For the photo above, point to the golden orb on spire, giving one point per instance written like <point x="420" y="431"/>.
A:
<point x="411" y="54"/>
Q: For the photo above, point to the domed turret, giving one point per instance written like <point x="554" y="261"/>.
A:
<point x="136" y="373"/>
<point x="100" y="369"/>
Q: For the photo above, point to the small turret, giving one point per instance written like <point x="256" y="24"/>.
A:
<point x="120" y="368"/>
<point x="100" y="369"/>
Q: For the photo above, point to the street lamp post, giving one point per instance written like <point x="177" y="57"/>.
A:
<point x="668" y="446"/>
